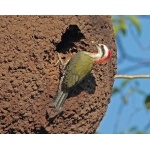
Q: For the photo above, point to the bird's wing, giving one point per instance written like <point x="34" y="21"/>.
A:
<point x="77" y="69"/>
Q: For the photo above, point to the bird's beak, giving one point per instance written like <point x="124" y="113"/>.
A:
<point x="97" y="46"/>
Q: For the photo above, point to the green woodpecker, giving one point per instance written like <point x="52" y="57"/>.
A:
<point x="78" y="67"/>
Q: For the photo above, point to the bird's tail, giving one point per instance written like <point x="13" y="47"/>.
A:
<point x="60" y="99"/>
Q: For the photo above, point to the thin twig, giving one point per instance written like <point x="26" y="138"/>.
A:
<point x="118" y="76"/>
<point x="124" y="53"/>
<point x="137" y="40"/>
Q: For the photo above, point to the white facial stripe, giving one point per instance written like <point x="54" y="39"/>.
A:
<point x="103" y="52"/>
<point x="102" y="49"/>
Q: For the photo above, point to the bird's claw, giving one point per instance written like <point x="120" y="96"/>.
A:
<point x="60" y="61"/>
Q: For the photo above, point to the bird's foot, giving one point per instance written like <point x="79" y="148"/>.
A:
<point x="61" y="62"/>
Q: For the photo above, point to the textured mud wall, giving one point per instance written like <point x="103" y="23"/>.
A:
<point x="29" y="79"/>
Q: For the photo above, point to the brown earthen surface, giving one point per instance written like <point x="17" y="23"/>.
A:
<point x="29" y="79"/>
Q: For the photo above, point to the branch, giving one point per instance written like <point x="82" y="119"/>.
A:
<point x="119" y="76"/>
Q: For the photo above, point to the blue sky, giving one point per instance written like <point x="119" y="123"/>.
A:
<point x="121" y="117"/>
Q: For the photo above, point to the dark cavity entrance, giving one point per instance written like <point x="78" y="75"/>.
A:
<point x="72" y="34"/>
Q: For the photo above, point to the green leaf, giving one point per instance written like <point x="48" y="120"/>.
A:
<point x="123" y="27"/>
<point x="125" y="82"/>
<point x="136" y="131"/>
<point x="116" y="90"/>
<point x="141" y="132"/>
<point x="133" y="129"/>
<point x="147" y="102"/>
<point x="142" y="92"/>
<point x="113" y="19"/>
<point x="124" y="99"/>
<point x="136" y="23"/>
<point x="122" y="132"/>
<point x="119" y="25"/>
<point x="133" y="90"/>
<point x="116" y="28"/>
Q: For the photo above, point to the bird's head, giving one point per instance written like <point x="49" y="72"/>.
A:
<point x="103" y="54"/>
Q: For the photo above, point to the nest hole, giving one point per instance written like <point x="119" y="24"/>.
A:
<point x="72" y="34"/>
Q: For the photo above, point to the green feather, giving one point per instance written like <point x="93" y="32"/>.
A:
<point x="77" y="69"/>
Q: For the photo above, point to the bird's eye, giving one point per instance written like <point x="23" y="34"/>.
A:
<point x="103" y="50"/>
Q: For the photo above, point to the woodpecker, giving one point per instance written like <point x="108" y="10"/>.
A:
<point x="78" y="67"/>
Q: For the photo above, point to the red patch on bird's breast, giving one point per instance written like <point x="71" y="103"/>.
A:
<point x="99" y="61"/>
